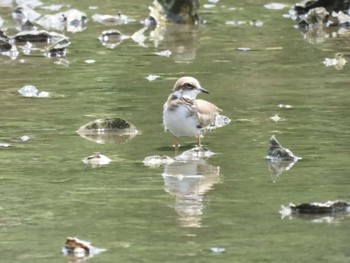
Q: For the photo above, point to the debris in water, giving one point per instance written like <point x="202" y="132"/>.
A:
<point x="165" y="53"/>
<point x="152" y="77"/>
<point x="287" y="106"/>
<point x="338" y="61"/>
<point x="90" y="61"/>
<point x="275" y="118"/>
<point x="25" y="138"/>
<point x="277" y="152"/>
<point x="62" y="62"/>
<point x="217" y="249"/>
<point x="97" y="160"/>
<point x="79" y="249"/>
<point x="235" y="23"/>
<point x="112" y="38"/>
<point x="157" y="160"/>
<point x="32" y="91"/>
<point x="244" y="49"/>
<point x="275" y="6"/>
<point x="256" y="23"/>
<point x="209" y="6"/>
<point x="194" y="154"/>
<point x="4" y="145"/>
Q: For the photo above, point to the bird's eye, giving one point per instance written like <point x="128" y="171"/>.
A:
<point x="189" y="86"/>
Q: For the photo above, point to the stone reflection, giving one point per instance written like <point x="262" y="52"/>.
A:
<point x="188" y="182"/>
<point x="180" y="39"/>
<point x="276" y="168"/>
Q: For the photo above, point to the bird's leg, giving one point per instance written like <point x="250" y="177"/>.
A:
<point x="198" y="140"/>
<point x="176" y="145"/>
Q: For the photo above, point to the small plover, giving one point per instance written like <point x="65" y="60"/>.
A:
<point x="184" y="115"/>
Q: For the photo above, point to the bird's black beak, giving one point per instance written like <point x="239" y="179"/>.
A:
<point x="204" y="90"/>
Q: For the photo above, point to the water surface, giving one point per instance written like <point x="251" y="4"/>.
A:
<point x="142" y="214"/>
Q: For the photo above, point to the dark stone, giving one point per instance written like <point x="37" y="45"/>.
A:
<point x="177" y="11"/>
<point x="330" y="5"/>
<point x="320" y="208"/>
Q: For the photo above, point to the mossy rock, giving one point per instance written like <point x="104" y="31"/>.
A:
<point x="106" y="125"/>
<point x="108" y="130"/>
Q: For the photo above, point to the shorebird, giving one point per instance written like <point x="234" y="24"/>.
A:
<point x="184" y="115"/>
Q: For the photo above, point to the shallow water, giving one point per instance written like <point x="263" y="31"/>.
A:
<point x="145" y="214"/>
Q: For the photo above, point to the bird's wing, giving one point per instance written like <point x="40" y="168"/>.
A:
<point x="206" y="112"/>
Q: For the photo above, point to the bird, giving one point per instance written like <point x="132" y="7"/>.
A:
<point x="184" y="114"/>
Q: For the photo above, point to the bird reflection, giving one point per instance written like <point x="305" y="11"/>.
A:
<point x="188" y="182"/>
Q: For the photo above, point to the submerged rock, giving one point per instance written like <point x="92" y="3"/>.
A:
<point x="317" y="13"/>
<point x="338" y="61"/>
<point x="32" y="91"/>
<point x="320" y="208"/>
<point x="108" y="130"/>
<point x="71" y="20"/>
<point x="97" y="160"/>
<point x="112" y="38"/>
<point x="166" y="53"/>
<point x="40" y="36"/>
<point x="157" y="160"/>
<point x="194" y="154"/>
<point x="58" y="49"/>
<point x="277" y="152"/>
<point x="23" y="13"/>
<point x="329" y="5"/>
<point x="4" y="43"/>
<point x="75" y="20"/>
<point x="328" y="212"/>
<point x="107" y="124"/>
<point x="79" y="249"/>
<point x="118" y="19"/>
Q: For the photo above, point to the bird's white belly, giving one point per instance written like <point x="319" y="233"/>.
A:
<point x="179" y="123"/>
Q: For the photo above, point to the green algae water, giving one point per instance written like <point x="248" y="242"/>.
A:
<point x="224" y="209"/>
